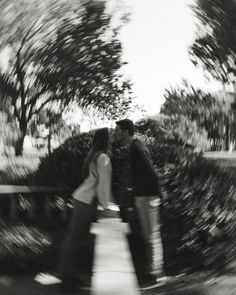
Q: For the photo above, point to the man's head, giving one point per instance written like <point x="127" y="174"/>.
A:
<point x="124" y="130"/>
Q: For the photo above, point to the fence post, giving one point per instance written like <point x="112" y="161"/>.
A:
<point x="31" y="208"/>
<point x="47" y="207"/>
<point x="64" y="210"/>
<point x="13" y="207"/>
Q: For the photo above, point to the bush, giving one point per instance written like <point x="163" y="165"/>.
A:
<point x="13" y="170"/>
<point x="177" y="129"/>
<point x="35" y="247"/>
<point x="24" y="247"/>
<point x="197" y="211"/>
<point x="198" y="207"/>
<point x="63" y="167"/>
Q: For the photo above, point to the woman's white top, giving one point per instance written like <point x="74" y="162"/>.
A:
<point x="98" y="183"/>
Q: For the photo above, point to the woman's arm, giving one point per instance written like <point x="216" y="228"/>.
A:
<point x="104" y="170"/>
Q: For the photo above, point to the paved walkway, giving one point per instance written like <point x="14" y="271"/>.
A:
<point x="114" y="273"/>
<point x="113" y="269"/>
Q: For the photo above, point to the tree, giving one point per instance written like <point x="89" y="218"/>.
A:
<point x="209" y="112"/>
<point x="20" y="85"/>
<point x="76" y="61"/>
<point x="17" y="16"/>
<point x="51" y="119"/>
<point x="215" y="46"/>
<point x="86" y="58"/>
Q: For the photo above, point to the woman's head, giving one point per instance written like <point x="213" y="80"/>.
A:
<point x="100" y="145"/>
<point x="101" y="140"/>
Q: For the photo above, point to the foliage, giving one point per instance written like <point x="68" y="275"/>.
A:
<point x="91" y="48"/>
<point x="214" y="47"/>
<point x="26" y="246"/>
<point x="22" y="247"/>
<point x="198" y="205"/>
<point x="51" y="122"/>
<point x="18" y="16"/>
<point x="177" y="129"/>
<point x="197" y="208"/>
<point x="8" y="133"/>
<point x="37" y="248"/>
<point x="63" y="166"/>
<point x="14" y="169"/>
<point x="74" y="58"/>
<point x="192" y="111"/>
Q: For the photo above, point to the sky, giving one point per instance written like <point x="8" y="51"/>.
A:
<point x="155" y="45"/>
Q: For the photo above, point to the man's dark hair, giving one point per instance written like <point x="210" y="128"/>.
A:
<point x="126" y="124"/>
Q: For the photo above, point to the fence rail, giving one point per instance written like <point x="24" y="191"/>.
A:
<point x="31" y="192"/>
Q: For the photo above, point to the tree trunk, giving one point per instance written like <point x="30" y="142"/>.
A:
<point x="19" y="145"/>
<point x="49" y="140"/>
<point x="227" y="137"/>
<point x="20" y="141"/>
<point x="214" y="144"/>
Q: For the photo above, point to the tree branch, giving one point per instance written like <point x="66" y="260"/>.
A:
<point x="19" y="66"/>
<point x="25" y="38"/>
<point x="39" y="109"/>
<point x="16" y="114"/>
<point x="33" y="100"/>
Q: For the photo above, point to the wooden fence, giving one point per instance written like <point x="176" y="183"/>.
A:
<point x="30" y="193"/>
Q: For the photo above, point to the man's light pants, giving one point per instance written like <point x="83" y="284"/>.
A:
<point x="149" y="217"/>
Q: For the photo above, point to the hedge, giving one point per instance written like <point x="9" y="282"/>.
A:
<point x="197" y="210"/>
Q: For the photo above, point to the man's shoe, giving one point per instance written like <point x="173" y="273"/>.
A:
<point x="151" y="284"/>
<point x="75" y="284"/>
<point x="68" y="286"/>
<point x="84" y="282"/>
<point x="162" y="279"/>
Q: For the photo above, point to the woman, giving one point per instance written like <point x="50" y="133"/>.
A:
<point x="95" y="188"/>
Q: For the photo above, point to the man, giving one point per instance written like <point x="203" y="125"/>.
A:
<point x="146" y="200"/>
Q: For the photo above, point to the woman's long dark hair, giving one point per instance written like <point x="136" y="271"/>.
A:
<point x="100" y="145"/>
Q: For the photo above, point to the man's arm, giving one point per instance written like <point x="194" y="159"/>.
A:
<point x="143" y="158"/>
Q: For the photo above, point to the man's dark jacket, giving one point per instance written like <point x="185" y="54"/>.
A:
<point x="145" y="178"/>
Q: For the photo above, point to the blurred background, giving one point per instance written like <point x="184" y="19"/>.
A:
<point x="68" y="67"/>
